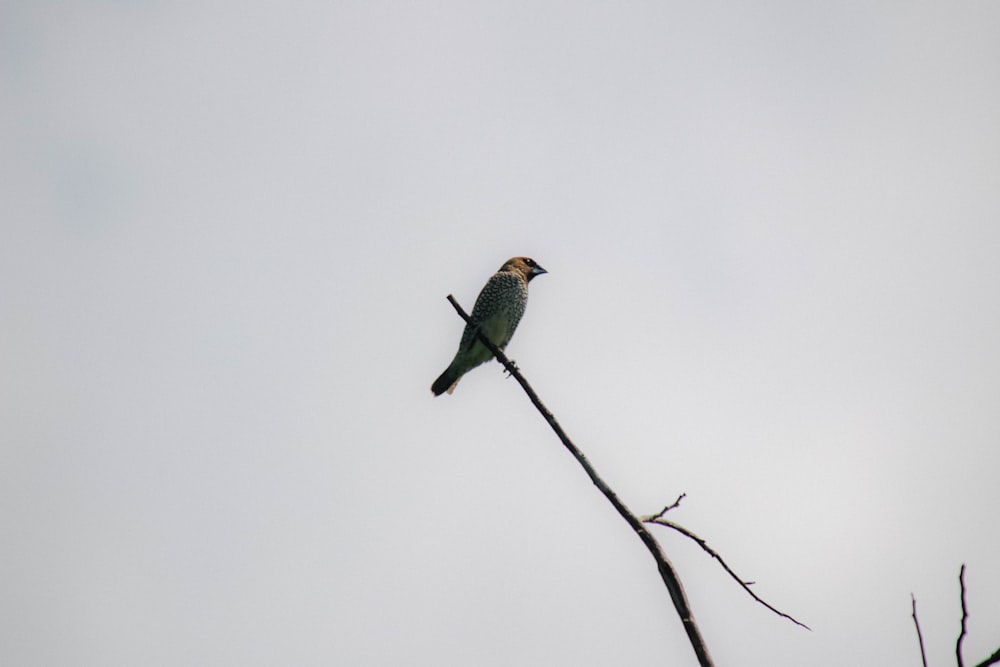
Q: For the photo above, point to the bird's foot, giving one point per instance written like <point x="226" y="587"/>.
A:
<point x="507" y="371"/>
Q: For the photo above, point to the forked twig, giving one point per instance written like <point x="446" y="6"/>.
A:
<point x="745" y="585"/>
<point x="667" y="573"/>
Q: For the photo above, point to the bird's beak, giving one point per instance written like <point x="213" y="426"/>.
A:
<point x="537" y="270"/>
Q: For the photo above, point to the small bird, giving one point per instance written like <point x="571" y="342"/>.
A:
<point x="498" y="309"/>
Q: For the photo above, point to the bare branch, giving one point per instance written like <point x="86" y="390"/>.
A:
<point x="920" y="636"/>
<point x="992" y="660"/>
<point x="667" y="573"/>
<point x="965" y="617"/>
<point x="745" y="585"/>
<point x="659" y="515"/>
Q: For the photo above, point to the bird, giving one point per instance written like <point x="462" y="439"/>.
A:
<point x="496" y="314"/>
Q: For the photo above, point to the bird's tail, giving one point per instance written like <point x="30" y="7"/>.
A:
<point x="445" y="383"/>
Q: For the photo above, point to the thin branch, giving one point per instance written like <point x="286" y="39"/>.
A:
<point x="965" y="617"/>
<point x="667" y="573"/>
<point x="659" y="515"/>
<point x="920" y="636"/>
<point x="745" y="585"/>
<point x="992" y="660"/>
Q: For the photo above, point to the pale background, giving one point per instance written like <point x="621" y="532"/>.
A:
<point x="773" y="237"/>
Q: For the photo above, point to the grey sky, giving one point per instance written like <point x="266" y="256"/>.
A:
<point x="772" y="236"/>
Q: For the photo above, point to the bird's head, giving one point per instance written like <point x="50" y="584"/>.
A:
<point x="526" y="266"/>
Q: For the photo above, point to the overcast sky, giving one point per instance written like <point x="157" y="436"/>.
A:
<point x="772" y="233"/>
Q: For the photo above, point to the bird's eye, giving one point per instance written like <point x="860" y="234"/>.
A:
<point x="529" y="261"/>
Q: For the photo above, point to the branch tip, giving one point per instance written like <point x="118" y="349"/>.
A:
<point x="920" y="636"/>
<point x="965" y="617"/>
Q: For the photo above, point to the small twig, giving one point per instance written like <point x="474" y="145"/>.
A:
<point x="920" y="636"/>
<point x="965" y="617"/>
<point x="667" y="573"/>
<point x="745" y="585"/>
<point x="659" y="515"/>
